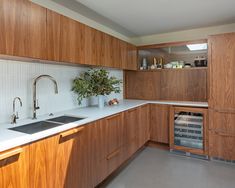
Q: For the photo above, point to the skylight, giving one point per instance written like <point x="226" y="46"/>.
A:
<point x="194" y="47"/>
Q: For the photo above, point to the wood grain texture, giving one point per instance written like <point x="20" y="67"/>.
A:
<point x="176" y="85"/>
<point x="143" y="134"/>
<point x="23" y="29"/>
<point x="142" y="85"/>
<point x="159" y="123"/>
<point x="71" y="36"/>
<point x="14" y="168"/>
<point x="223" y="122"/>
<point x="88" y="46"/>
<point x="131" y="63"/>
<point x="42" y="163"/>
<point x="64" y="155"/>
<point x="184" y="85"/>
<point x="221" y="146"/>
<point x="53" y="35"/>
<point x="204" y="112"/>
<point x="221" y="71"/>
<point x="131" y="125"/>
<point x="107" y="57"/>
<point x="114" y="126"/>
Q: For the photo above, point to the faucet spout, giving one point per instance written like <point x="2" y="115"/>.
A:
<point x="35" y="105"/>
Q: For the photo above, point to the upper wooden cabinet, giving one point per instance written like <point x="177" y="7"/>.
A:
<point x="222" y="71"/>
<point x="53" y="35"/>
<point x="23" y="29"/>
<point x="72" y="41"/>
<point x="14" y="168"/>
<point x="31" y="31"/>
<point x="175" y="84"/>
<point x="131" y="63"/>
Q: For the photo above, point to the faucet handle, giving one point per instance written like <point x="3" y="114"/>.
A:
<point x="17" y="115"/>
<point x="13" y="119"/>
<point x="37" y="107"/>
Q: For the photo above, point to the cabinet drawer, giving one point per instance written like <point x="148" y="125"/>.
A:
<point x="221" y="145"/>
<point x="222" y="121"/>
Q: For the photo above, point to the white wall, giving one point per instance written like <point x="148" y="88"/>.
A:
<point x="16" y="79"/>
<point x="184" y="35"/>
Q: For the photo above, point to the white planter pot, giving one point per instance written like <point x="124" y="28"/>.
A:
<point x="101" y="101"/>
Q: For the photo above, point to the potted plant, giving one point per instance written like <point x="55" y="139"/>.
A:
<point x="95" y="82"/>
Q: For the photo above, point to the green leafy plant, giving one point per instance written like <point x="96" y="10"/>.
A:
<point x="95" y="82"/>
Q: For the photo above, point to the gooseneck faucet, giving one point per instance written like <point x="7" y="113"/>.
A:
<point x="15" y="115"/>
<point x="35" y="103"/>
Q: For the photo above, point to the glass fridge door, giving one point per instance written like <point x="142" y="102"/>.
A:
<point x="188" y="129"/>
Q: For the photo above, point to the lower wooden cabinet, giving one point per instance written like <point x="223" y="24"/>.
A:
<point x="143" y="125"/>
<point x="14" y="168"/>
<point x="80" y="157"/>
<point x="59" y="161"/>
<point x="131" y="120"/>
<point x="114" y="141"/>
<point x="159" y="123"/>
<point x="221" y="145"/>
<point x="222" y="134"/>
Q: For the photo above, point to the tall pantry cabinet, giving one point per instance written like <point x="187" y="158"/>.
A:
<point x="222" y="96"/>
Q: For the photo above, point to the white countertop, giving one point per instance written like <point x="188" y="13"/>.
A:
<point x="10" y="139"/>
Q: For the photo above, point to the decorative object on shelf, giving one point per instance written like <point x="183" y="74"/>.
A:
<point x="144" y="65"/>
<point x="187" y="65"/>
<point x="113" y="102"/>
<point x="200" y="61"/>
<point x="160" y="63"/>
<point x="95" y="82"/>
<point x="168" y="66"/>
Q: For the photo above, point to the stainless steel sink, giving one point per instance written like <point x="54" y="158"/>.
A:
<point x="36" y="127"/>
<point x="65" y="119"/>
<point x="47" y="124"/>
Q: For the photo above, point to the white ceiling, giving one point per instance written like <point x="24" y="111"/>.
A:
<point x="145" y="17"/>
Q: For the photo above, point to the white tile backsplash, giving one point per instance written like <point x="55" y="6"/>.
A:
<point x="16" y="78"/>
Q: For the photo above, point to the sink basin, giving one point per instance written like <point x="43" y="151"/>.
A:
<point x="35" y="127"/>
<point x="65" y="119"/>
<point x="47" y="124"/>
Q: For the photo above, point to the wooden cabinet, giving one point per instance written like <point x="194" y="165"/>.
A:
<point x="159" y="123"/>
<point x="222" y="134"/>
<point x="72" y="41"/>
<point x="57" y="161"/>
<point x="184" y="84"/>
<point x="97" y="48"/>
<point x="31" y="31"/>
<point x="107" y="54"/>
<point x="221" y="145"/>
<point x="79" y="157"/>
<point x="131" y="125"/>
<point x="131" y="63"/>
<point x="53" y="35"/>
<point x="23" y="29"/>
<point x="14" y="168"/>
<point x="222" y="121"/>
<point x="222" y="96"/>
<point x="222" y="72"/>
<point x="142" y="85"/>
<point x="114" y="141"/>
<point x="143" y="125"/>
<point x="167" y="84"/>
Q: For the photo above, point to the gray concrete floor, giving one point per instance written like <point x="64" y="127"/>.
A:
<point x="154" y="168"/>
